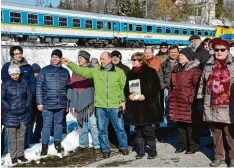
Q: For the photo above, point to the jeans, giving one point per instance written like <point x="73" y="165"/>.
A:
<point x="52" y="118"/>
<point x="166" y="108"/>
<point x="104" y="115"/>
<point x="84" y="129"/>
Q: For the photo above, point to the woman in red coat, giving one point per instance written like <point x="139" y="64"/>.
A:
<point x="182" y="91"/>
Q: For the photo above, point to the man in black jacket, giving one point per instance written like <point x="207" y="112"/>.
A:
<point x="116" y="60"/>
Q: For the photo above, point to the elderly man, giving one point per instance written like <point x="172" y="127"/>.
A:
<point x="109" y="82"/>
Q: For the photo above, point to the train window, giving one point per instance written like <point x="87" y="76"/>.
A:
<point x="168" y="30"/>
<point x="130" y="27"/>
<point x="176" y="31"/>
<point x="192" y="32"/>
<point x="88" y="24"/>
<point x="125" y="27"/>
<point x="99" y="24"/>
<point x="184" y="31"/>
<point x="76" y="23"/>
<point x="206" y="33"/>
<point x="1" y="16"/>
<point x="149" y="28"/>
<point x="139" y="28"/>
<point x="159" y="29"/>
<point x="32" y="19"/>
<point x="199" y="32"/>
<point x="15" y="17"/>
<point x="62" y="22"/>
<point x="109" y="25"/>
<point x="48" y="20"/>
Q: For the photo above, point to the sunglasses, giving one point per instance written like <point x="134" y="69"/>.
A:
<point x="220" y="49"/>
<point x="163" y="47"/>
<point x="133" y="59"/>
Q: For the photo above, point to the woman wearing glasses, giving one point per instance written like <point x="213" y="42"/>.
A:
<point x="217" y="90"/>
<point x="142" y="91"/>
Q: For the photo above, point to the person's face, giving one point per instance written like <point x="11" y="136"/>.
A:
<point x="195" y="42"/>
<point x="105" y="60"/>
<point x="206" y="46"/>
<point x="15" y="76"/>
<point x="36" y="74"/>
<point x="163" y="49"/>
<point x="210" y="46"/>
<point x="135" y="62"/>
<point x="173" y="54"/>
<point x="115" y="60"/>
<point x="221" y="52"/>
<point x="81" y="61"/>
<point x="94" y="63"/>
<point x="149" y="54"/>
<point x="55" y="60"/>
<point x="183" y="59"/>
<point x="18" y="55"/>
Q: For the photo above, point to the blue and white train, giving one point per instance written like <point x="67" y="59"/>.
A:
<point x="28" y="23"/>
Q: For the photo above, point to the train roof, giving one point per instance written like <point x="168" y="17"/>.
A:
<point x="63" y="12"/>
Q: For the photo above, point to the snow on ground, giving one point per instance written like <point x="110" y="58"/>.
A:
<point x="70" y="142"/>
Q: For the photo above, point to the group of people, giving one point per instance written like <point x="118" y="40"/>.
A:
<point x="188" y="87"/>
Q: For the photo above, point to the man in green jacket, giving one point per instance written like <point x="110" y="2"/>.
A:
<point x="109" y="82"/>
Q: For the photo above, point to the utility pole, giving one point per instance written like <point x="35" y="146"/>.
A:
<point x="146" y="9"/>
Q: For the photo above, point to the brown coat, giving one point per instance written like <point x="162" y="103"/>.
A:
<point x="154" y="63"/>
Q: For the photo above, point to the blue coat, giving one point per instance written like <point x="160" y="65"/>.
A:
<point x="25" y="69"/>
<point x="52" y="88"/>
<point x="16" y="101"/>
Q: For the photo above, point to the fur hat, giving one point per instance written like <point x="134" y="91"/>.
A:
<point x="188" y="53"/>
<point x="13" y="68"/>
<point x="163" y="44"/>
<point x="57" y="52"/>
<point x="117" y="54"/>
<point x="84" y="54"/>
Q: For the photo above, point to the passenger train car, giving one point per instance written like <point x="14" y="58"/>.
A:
<point x="50" y="25"/>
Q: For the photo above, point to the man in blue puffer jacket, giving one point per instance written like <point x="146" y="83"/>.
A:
<point x="51" y="96"/>
<point x="16" y="101"/>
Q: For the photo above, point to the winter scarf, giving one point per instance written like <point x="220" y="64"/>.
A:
<point x="137" y="69"/>
<point x="219" y="84"/>
<point x="80" y="98"/>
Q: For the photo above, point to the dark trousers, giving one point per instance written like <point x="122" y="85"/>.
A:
<point x="145" y="140"/>
<point x="188" y="135"/>
<point x="223" y="131"/>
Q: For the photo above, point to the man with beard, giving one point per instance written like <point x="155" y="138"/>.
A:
<point x="199" y="51"/>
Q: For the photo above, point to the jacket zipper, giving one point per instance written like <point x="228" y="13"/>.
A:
<point x="107" y="88"/>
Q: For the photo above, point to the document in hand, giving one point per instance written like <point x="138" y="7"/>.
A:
<point x="135" y="86"/>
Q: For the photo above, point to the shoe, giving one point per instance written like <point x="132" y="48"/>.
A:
<point x="22" y="159"/>
<point x="58" y="146"/>
<point x="106" y="155"/>
<point x="180" y="150"/>
<point x="14" y="161"/>
<point x="216" y="163"/>
<point x="151" y="157"/>
<point x="231" y="164"/>
<point x="190" y="151"/>
<point x="97" y="151"/>
<point x="44" y="149"/>
<point x="139" y="156"/>
<point x="124" y="151"/>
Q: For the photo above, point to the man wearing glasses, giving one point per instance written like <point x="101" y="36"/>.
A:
<point x="163" y="51"/>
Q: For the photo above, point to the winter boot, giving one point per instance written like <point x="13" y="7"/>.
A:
<point x="140" y="148"/>
<point x="44" y="149"/>
<point x="22" y="159"/>
<point x="151" y="149"/>
<point x="58" y="146"/>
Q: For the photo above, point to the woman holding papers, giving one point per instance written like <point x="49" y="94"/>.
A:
<point x="142" y="91"/>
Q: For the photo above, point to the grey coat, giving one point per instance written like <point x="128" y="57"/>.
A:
<point x="221" y="114"/>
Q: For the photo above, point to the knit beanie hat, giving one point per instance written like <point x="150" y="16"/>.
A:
<point x="84" y="54"/>
<point x="219" y="41"/>
<point x="163" y="44"/>
<point x="57" y="52"/>
<point x="117" y="54"/>
<point x="36" y="68"/>
<point x="188" y="53"/>
<point x="193" y="37"/>
<point x="13" y="68"/>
